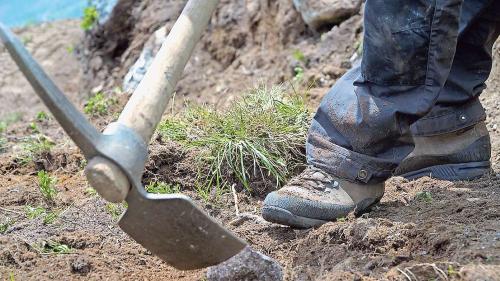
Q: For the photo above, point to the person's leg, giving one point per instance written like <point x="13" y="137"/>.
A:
<point x="357" y="137"/>
<point x="451" y="141"/>
<point x="360" y="131"/>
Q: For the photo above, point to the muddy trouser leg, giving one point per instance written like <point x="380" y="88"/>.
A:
<point x="361" y="129"/>
<point x="458" y="106"/>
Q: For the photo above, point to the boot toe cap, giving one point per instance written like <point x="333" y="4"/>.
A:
<point x="297" y="211"/>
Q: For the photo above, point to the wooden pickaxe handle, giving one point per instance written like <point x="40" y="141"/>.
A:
<point x="145" y="108"/>
<point x="148" y="103"/>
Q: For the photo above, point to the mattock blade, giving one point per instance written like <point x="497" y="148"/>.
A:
<point x="176" y="230"/>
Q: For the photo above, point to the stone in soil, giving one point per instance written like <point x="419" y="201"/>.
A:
<point x="319" y="13"/>
<point x="248" y="265"/>
<point x="80" y="265"/>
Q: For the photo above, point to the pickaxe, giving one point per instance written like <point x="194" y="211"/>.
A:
<point x="170" y="226"/>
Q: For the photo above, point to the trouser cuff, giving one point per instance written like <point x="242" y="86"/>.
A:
<point x="346" y="164"/>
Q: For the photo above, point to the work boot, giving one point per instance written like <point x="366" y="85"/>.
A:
<point x="315" y="197"/>
<point x="456" y="156"/>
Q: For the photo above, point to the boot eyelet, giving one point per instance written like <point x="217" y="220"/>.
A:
<point x="362" y="174"/>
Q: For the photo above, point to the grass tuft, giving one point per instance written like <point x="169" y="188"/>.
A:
<point x="50" y="217"/>
<point x="4" y="225"/>
<point x="174" y="130"/>
<point x="260" y="136"/>
<point x="34" y="212"/>
<point x="98" y="105"/>
<point x="90" y="17"/>
<point x="298" y="55"/>
<point x="42" y="116"/>
<point x="33" y="148"/>
<point x="70" y="49"/>
<point x="46" y="183"/>
<point x="452" y="271"/>
<point x="34" y="127"/>
<point x="424" y="196"/>
<point x="51" y="247"/>
<point x="162" y="188"/>
<point x="91" y="192"/>
<point x="298" y="74"/>
<point x="114" y="210"/>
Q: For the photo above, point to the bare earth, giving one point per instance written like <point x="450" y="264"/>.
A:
<point x="455" y="235"/>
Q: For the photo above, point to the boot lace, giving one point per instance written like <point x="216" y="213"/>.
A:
<point x="314" y="178"/>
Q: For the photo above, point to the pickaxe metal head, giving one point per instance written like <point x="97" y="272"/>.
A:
<point x="170" y="226"/>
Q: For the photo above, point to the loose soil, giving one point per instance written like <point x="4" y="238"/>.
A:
<point x="53" y="46"/>
<point x="453" y="233"/>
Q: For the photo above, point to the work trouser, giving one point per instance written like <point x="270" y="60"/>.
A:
<point x="423" y="68"/>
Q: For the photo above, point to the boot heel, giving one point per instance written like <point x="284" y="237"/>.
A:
<point x="452" y="172"/>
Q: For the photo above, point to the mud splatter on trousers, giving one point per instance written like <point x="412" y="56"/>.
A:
<point x="423" y="68"/>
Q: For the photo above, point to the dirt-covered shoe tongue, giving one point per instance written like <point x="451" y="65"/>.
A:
<point x="313" y="178"/>
<point x="315" y="197"/>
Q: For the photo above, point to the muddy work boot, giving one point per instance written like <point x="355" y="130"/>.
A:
<point x="461" y="155"/>
<point x="315" y="197"/>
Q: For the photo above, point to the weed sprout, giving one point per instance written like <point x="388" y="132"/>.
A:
<point x="98" y="105"/>
<point x="46" y="183"/>
<point x="90" y="17"/>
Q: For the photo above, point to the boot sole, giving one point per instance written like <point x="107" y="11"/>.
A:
<point x="281" y="216"/>
<point x="452" y="172"/>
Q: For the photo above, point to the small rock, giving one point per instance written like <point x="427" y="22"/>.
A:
<point x="96" y="63"/>
<point x="317" y="13"/>
<point x="137" y="72"/>
<point x="80" y="265"/>
<point x="248" y="265"/>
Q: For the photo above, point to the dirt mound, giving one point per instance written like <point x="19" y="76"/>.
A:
<point x="108" y="50"/>
<point x="426" y="229"/>
<point x="426" y="236"/>
<point x="169" y="162"/>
